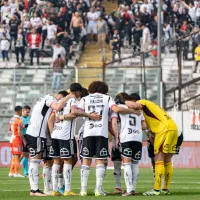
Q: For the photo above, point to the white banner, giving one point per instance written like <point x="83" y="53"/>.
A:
<point x="189" y="123"/>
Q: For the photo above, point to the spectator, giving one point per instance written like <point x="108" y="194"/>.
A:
<point x="13" y="23"/>
<point x="66" y="42"/>
<point x="5" y="47"/>
<point x="195" y="41"/>
<point x="116" y="45"/>
<point x="51" y="32"/>
<point x="146" y="39"/>
<point x="197" y="52"/>
<point x="58" y="50"/>
<point x="137" y="34"/>
<point x="92" y="23"/>
<point x="4" y="9"/>
<point x="76" y="24"/>
<point x="192" y="10"/>
<point x="34" y="40"/>
<point x="102" y="31"/>
<point x="58" y="66"/>
<point x="36" y="22"/>
<point x="20" y="46"/>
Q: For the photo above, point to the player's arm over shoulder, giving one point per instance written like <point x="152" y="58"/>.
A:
<point x="136" y="105"/>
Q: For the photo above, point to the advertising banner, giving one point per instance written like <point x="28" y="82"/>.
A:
<point x="188" y="157"/>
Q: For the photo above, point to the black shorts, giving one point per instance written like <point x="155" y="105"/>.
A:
<point x="178" y="146"/>
<point x="62" y="148"/>
<point x="116" y="155"/>
<point x="35" y="145"/>
<point x="80" y="144"/>
<point x="46" y="155"/>
<point x="132" y="149"/>
<point x="179" y="143"/>
<point x="96" y="146"/>
<point x="25" y="148"/>
<point x="75" y="145"/>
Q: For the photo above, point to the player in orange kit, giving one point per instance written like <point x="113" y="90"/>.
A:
<point x="16" y="141"/>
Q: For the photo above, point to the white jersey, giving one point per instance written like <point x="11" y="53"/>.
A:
<point x="100" y="104"/>
<point x="131" y="127"/>
<point x="80" y="133"/>
<point x="40" y="115"/>
<point x="65" y="130"/>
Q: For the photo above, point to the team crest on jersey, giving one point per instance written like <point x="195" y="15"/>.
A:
<point x="103" y="152"/>
<point x="85" y="151"/>
<point x="51" y="150"/>
<point x="128" y="152"/>
<point x="32" y="152"/>
<point x="64" y="152"/>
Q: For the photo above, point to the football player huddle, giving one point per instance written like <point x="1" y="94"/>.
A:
<point x="51" y="136"/>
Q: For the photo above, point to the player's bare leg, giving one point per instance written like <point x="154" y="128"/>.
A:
<point x="17" y="165"/>
<point x="128" y="176"/>
<point x="85" y="171"/>
<point x="67" y="173"/>
<point x="34" y="176"/>
<point x="74" y="160"/>
<point x="12" y="167"/>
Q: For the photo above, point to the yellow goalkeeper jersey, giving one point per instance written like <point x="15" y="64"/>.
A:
<point x="157" y="119"/>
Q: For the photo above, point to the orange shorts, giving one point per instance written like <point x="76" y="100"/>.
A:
<point x="16" y="146"/>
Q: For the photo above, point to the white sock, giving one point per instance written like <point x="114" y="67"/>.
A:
<point x="55" y="171"/>
<point x="128" y="177"/>
<point x="100" y="171"/>
<point x="85" y="171"/>
<point x="33" y="174"/>
<point x="117" y="173"/>
<point x="135" y="171"/>
<point x="47" y="177"/>
<point x="67" y="173"/>
<point x="60" y="181"/>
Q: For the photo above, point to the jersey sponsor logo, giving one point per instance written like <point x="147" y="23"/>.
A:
<point x="103" y="152"/>
<point x="56" y="127"/>
<point x="85" y="151"/>
<point x="128" y="152"/>
<point x="64" y="152"/>
<point x="130" y="131"/>
<point x="95" y="126"/>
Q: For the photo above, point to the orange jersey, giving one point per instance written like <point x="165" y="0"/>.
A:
<point x="15" y="125"/>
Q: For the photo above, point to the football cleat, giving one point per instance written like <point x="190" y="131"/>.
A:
<point x="70" y="193"/>
<point x="117" y="191"/>
<point x="132" y="193"/>
<point x="48" y="191"/>
<point x="165" y="192"/>
<point x="97" y="194"/>
<point x="18" y="176"/>
<point x="37" y="193"/>
<point x="83" y="194"/>
<point x="55" y="194"/>
<point x="11" y="175"/>
<point x="152" y="192"/>
<point x="62" y="190"/>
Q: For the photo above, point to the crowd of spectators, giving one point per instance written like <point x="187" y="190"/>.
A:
<point x="37" y="24"/>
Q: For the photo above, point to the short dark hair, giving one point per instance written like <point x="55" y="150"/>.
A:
<point x="17" y="108"/>
<point x="26" y="107"/>
<point x="99" y="87"/>
<point x="64" y="93"/>
<point x="134" y="96"/>
<point x="84" y="92"/>
<point x="75" y="87"/>
<point x="121" y="98"/>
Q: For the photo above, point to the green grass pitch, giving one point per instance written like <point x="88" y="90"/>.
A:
<point x="185" y="186"/>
